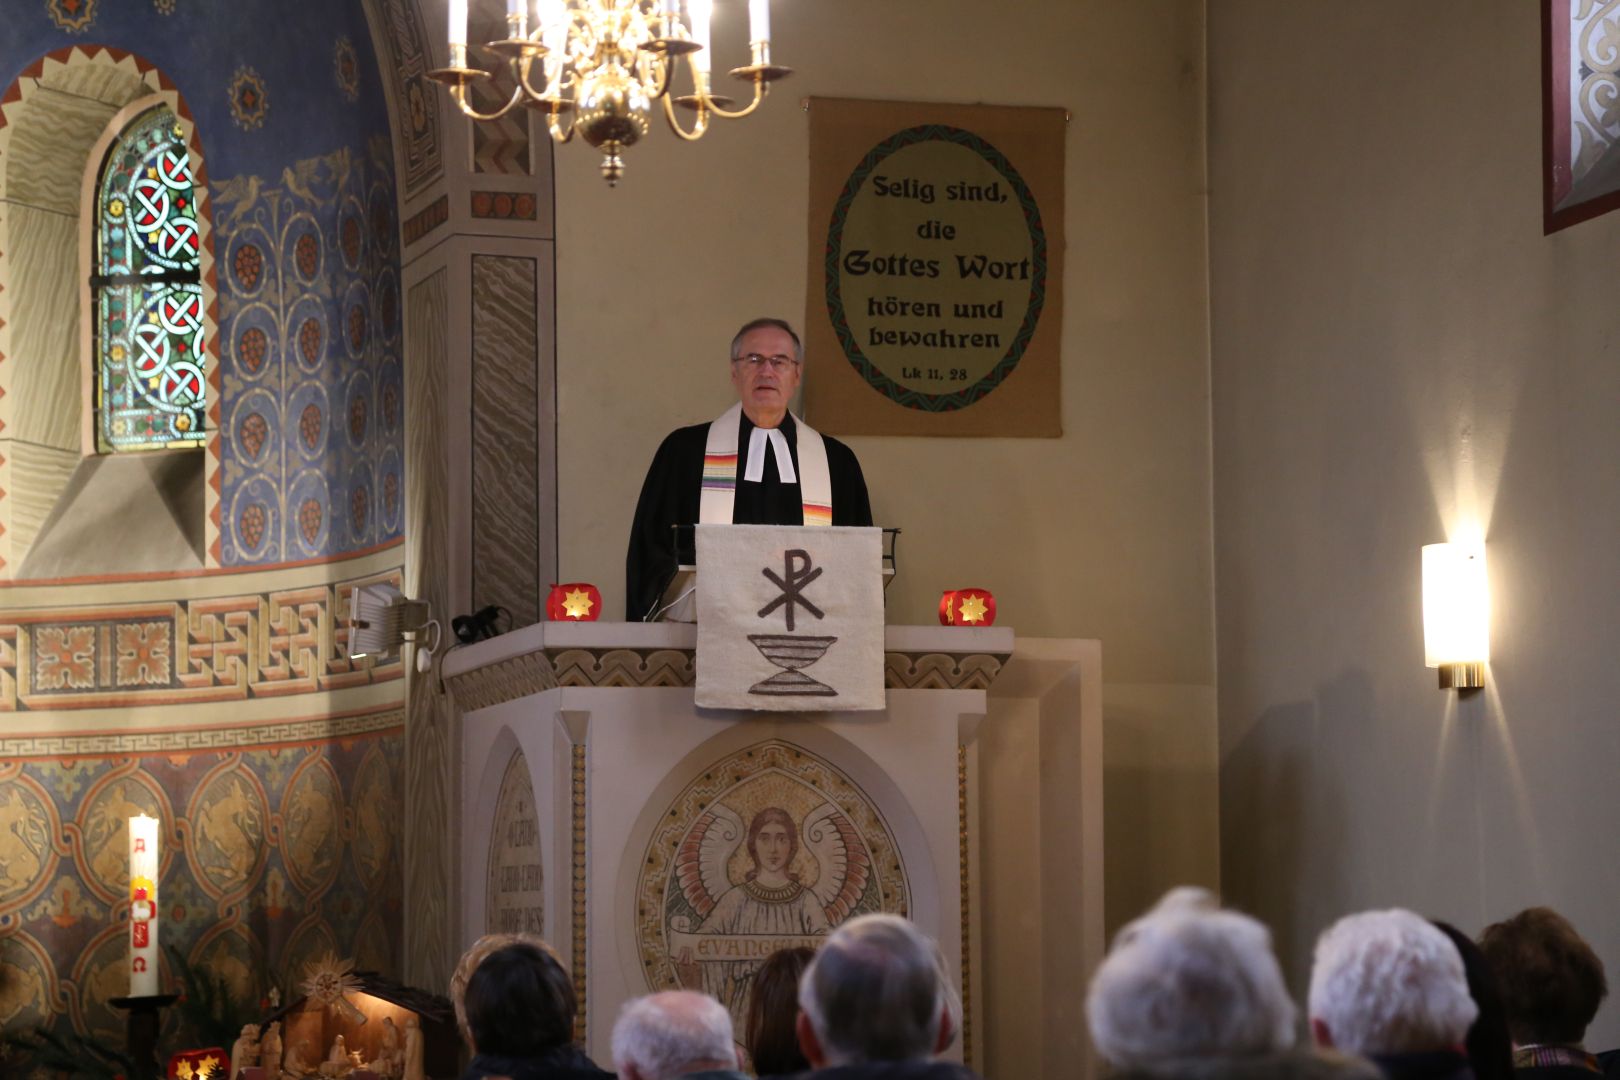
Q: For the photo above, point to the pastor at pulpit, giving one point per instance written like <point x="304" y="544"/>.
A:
<point x="790" y="474"/>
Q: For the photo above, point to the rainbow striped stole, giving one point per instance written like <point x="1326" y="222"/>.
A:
<point x="718" y="497"/>
<point x="719" y="472"/>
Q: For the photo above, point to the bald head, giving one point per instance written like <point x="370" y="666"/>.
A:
<point x="667" y="1035"/>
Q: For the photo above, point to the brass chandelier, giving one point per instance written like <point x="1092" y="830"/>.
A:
<point x="604" y="63"/>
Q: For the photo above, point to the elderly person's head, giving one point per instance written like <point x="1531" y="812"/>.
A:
<point x="773" y="1013"/>
<point x="667" y="1035"/>
<point x="766" y="358"/>
<point x="1385" y="983"/>
<point x="1552" y="982"/>
<point x="520" y="1003"/>
<point x="876" y="991"/>
<point x="1189" y="981"/>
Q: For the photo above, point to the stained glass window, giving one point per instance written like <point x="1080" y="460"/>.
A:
<point x="150" y="345"/>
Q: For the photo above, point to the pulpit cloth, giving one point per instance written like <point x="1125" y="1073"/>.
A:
<point x="790" y="619"/>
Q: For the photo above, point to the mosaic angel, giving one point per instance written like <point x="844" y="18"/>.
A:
<point x="771" y="907"/>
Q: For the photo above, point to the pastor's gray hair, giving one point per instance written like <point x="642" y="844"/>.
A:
<point x="763" y="324"/>
<point x="671" y="1034"/>
<point x="1390" y="982"/>
<point x="876" y="991"/>
<point x="1188" y="980"/>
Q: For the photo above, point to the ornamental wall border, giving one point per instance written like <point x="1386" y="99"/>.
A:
<point x="187" y="741"/>
<point x="90" y="651"/>
<point x="502" y="670"/>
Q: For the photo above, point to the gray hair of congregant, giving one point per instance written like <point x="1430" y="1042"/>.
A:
<point x="1390" y="982"/>
<point x="1189" y="981"/>
<point x="876" y="991"/>
<point x="767" y="323"/>
<point x="673" y="1033"/>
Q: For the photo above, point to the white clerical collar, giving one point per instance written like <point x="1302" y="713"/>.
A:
<point x="755" y="471"/>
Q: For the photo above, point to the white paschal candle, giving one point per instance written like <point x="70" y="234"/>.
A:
<point x="759" y="20"/>
<point x="143" y="906"/>
<point x="699" y="10"/>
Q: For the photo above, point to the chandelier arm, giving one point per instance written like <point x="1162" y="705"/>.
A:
<point x="560" y="134"/>
<point x="761" y="88"/>
<point x="659" y="86"/>
<point x="699" y="126"/>
<point x="520" y="71"/>
<point x="459" y="92"/>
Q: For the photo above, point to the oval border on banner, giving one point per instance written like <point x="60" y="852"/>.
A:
<point x="868" y="371"/>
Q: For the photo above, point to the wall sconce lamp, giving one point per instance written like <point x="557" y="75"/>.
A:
<point x="1456" y="614"/>
<point x="381" y="619"/>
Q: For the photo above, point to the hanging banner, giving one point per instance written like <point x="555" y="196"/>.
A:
<point x="935" y="269"/>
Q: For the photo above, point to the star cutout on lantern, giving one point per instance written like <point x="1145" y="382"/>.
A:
<point x="183" y="1071"/>
<point x="577" y="604"/>
<point x="207" y="1065"/>
<point x="972" y="609"/>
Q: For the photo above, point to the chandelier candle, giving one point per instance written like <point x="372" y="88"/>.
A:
<point x="700" y="10"/>
<point x="553" y="18"/>
<point x="458" y="23"/>
<point x="143" y="909"/>
<point x="759" y="20"/>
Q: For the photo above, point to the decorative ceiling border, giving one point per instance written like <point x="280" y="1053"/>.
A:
<point x="405" y="56"/>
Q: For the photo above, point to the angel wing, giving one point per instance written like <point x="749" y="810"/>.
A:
<point x="845" y="867"/>
<point x="700" y="862"/>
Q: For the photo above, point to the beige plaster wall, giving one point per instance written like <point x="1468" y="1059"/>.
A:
<point x="1103" y="533"/>
<point x="1399" y="351"/>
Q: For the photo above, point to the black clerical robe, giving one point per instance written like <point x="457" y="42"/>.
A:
<point x="674" y="485"/>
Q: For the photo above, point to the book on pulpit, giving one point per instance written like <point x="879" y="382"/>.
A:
<point x="678" y="602"/>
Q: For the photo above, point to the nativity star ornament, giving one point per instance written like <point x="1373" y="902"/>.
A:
<point x="973" y="609"/>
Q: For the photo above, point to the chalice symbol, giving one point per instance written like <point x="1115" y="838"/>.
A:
<point x="792" y="652"/>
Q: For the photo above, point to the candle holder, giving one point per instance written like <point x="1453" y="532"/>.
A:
<point x="142" y="1023"/>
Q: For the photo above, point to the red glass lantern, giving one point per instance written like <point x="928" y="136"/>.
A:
<point x="967" y="607"/>
<point x="198" y="1064"/>
<point x="575" y="602"/>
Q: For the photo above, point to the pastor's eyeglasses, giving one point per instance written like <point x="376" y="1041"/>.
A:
<point x="779" y="363"/>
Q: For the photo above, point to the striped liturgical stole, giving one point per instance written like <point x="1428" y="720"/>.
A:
<point x="718" y="500"/>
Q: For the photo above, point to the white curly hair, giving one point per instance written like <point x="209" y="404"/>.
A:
<point x="1189" y="981"/>
<point x="1389" y="982"/>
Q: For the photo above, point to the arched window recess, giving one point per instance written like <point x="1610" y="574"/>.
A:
<point x="149" y="348"/>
